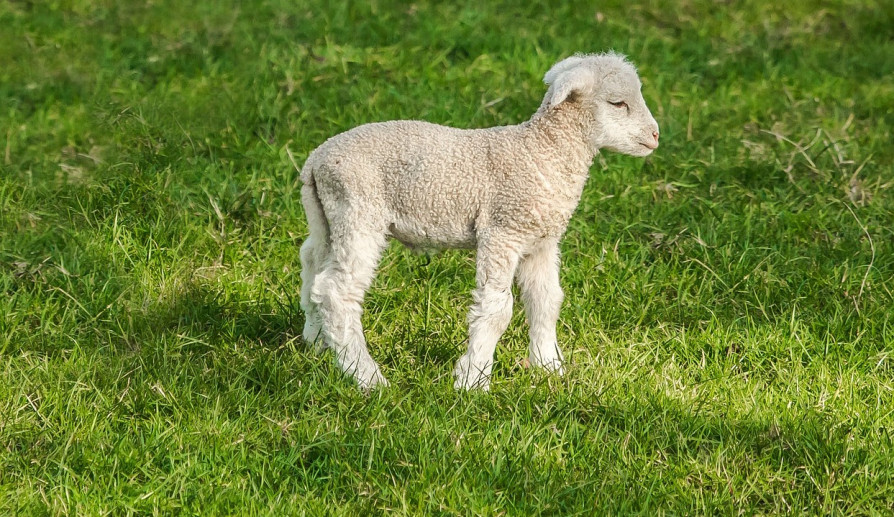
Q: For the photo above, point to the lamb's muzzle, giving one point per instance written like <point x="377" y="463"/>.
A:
<point x="507" y="192"/>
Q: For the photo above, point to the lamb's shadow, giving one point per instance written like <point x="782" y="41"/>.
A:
<point x="200" y="310"/>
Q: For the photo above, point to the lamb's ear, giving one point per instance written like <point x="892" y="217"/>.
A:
<point x="562" y="66"/>
<point x="566" y="82"/>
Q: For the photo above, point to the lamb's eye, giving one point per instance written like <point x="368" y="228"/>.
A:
<point x="619" y="104"/>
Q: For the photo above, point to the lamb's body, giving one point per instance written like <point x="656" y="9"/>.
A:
<point x="506" y="191"/>
<point x="433" y="186"/>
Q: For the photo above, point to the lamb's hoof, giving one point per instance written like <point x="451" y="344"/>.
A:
<point x="369" y="381"/>
<point x="552" y="366"/>
<point x="470" y="377"/>
<point x="313" y="338"/>
<point x="469" y="383"/>
<point x="319" y="347"/>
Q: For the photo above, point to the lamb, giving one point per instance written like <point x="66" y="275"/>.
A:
<point x="507" y="192"/>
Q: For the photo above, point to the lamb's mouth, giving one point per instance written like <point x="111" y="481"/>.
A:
<point x="651" y="147"/>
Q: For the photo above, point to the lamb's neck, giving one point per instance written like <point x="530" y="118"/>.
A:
<point x="560" y="136"/>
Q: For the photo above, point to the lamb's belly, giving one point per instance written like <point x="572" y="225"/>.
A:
<point x="418" y="234"/>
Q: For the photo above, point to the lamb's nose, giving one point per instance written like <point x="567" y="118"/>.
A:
<point x="655" y="134"/>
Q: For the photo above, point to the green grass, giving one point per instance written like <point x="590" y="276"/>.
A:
<point x="728" y="316"/>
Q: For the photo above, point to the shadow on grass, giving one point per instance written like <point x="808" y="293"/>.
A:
<point x="219" y="317"/>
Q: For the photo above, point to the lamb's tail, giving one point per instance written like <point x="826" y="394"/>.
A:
<point x="317" y="223"/>
<point x="307" y="172"/>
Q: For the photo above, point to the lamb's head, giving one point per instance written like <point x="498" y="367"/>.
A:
<point x="607" y="87"/>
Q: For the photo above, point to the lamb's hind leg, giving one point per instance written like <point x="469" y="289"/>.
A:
<point x="338" y="289"/>
<point x="489" y="316"/>
<point x="538" y="280"/>
<point x="313" y="253"/>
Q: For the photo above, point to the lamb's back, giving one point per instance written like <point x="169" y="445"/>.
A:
<point x="433" y="183"/>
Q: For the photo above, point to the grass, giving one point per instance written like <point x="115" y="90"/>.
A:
<point x="728" y="313"/>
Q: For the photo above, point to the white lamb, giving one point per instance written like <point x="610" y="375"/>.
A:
<point x="507" y="192"/>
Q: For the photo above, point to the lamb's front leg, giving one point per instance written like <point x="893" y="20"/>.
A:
<point x="538" y="280"/>
<point x="489" y="316"/>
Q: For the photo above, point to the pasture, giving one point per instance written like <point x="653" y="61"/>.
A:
<point x="729" y="311"/>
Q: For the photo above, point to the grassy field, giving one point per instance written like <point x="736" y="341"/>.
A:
<point x="728" y="316"/>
